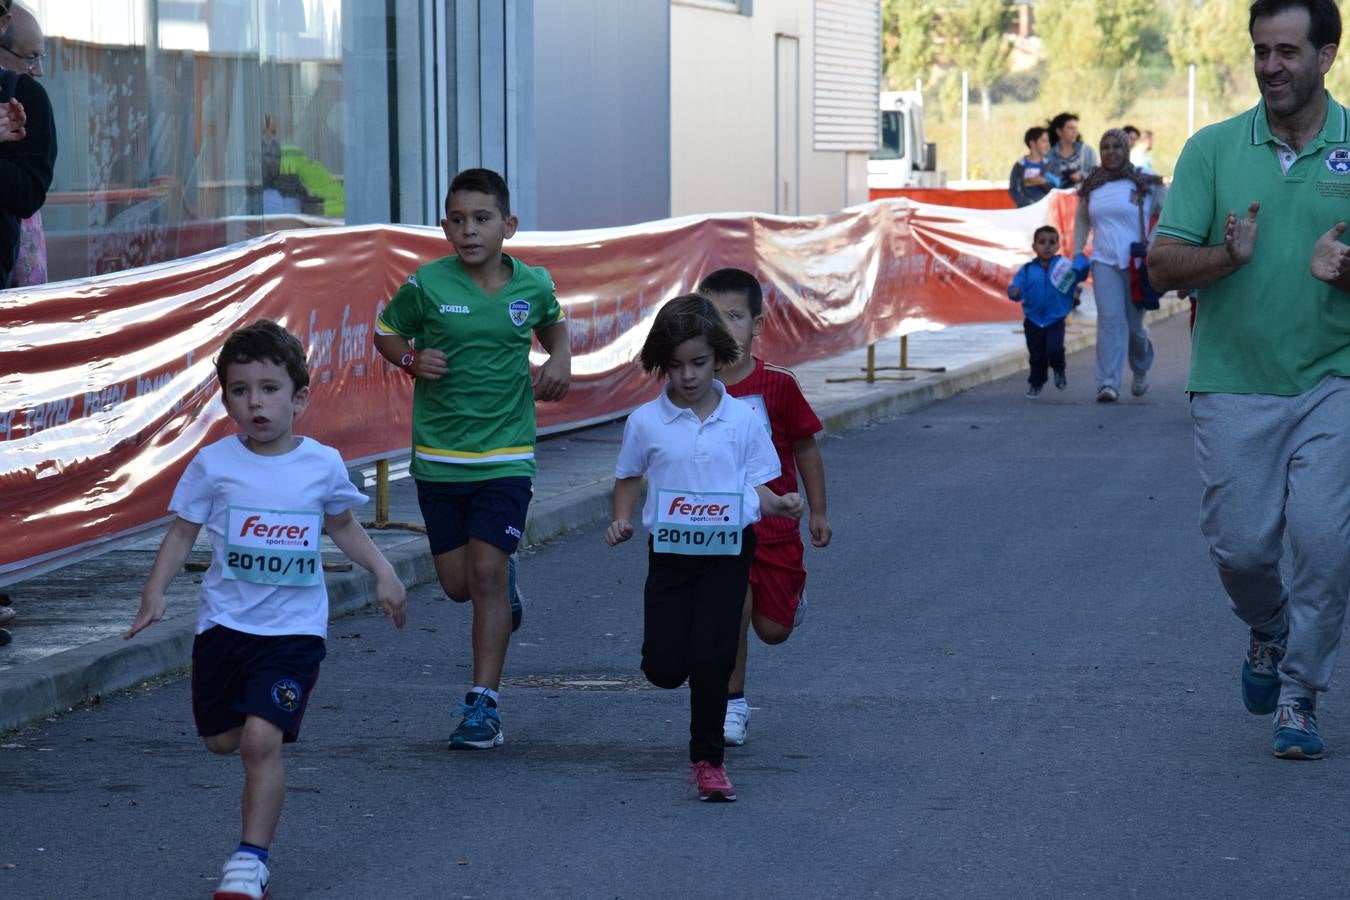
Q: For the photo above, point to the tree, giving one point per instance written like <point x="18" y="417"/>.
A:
<point x="1212" y="36"/>
<point x="976" y="32"/>
<point x="908" y="51"/>
<point x="1116" y="36"/>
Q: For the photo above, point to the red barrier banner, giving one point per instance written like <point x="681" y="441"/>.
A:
<point x="107" y="385"/>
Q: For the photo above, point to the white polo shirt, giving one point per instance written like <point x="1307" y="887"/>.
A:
<point x="701" y="476"/>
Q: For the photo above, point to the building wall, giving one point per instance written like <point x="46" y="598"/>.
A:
<point x="723" y="114"/>
<point x="600" y="138"/>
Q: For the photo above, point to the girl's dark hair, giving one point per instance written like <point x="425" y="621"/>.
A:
<point x="684" y="318"/>
<point x="264" y="340"/>
<point x="1058" y="122"/>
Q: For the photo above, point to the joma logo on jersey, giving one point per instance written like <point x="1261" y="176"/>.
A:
<point x="519" y="310"/>
<point x="455" y="308"/>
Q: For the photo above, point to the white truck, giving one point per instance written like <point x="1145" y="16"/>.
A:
<point x="903" y="158"/>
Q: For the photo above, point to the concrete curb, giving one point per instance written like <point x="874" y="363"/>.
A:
<point x="84" y="674"/>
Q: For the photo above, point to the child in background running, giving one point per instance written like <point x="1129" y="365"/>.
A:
<point x="707" y="459"/>
<point x="263" y="495"/>
<point x="776" y="600"/>
<point x="1048" y="288"/>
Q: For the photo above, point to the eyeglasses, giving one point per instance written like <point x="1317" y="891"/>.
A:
<point x="30" y="63"/>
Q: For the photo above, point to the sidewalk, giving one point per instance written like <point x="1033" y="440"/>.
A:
<point x="67" y="647"/>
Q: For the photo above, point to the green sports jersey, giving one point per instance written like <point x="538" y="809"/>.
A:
<point x="1270" y="327"/>
<point x="477" y="422"/>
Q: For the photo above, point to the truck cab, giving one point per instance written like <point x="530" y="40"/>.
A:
<point x="903" y="158"/>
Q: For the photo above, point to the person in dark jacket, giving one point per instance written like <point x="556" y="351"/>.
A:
<point x="27" y="148"/>
<point x="1031" y="179"/>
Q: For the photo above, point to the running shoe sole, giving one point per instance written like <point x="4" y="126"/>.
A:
<point x="478" y="745"/>
<point x="1297" y="752"/>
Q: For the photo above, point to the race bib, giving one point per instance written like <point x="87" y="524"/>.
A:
<point x="1062" y="275"/>
<point x="268" y="546"/>
<point x="697" y="524"/>
<point x="756" y="403"/>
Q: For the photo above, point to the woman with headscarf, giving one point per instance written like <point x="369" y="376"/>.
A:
<point x="1110" y="201"/>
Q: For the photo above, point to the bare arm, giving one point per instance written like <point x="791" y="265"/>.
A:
<point x="352" y="540"/>
<point x="1174" y="264"/>
<point x="1082" y="224"/>
<point x="812" y="467"/>
<point x="428" y="364"/>
<point x="173" y="552"/>
<point x="626" y="491"/>
<point x="555" y="376"/>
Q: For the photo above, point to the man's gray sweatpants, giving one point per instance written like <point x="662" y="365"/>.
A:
<point x="1273" y="465"/>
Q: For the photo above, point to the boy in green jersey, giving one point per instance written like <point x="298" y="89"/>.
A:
<point x="462" y="328"/>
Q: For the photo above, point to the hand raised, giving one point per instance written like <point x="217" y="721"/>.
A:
<point x="1330" y="258"/>
<point x="1239" y="235"/>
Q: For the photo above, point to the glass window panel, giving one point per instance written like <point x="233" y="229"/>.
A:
<point x="184" y="125"/>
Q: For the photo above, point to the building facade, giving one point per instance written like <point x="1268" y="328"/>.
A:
<point x="185" y="125"/>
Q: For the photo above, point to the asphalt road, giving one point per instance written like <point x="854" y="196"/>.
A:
<point x="1017" y="678"/>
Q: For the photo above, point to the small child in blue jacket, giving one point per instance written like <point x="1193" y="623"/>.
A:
<point x="1048" y="288"/>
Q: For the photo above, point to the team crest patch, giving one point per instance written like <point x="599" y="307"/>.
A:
<point x="519" y="310"/>
<point x="1338" y="161"/>
<point x="286" y="695"/>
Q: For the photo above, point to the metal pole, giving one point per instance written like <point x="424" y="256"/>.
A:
<point x="1190" y="100"/>
<point x="965" y="124"/>
<point x="382" y="491"/>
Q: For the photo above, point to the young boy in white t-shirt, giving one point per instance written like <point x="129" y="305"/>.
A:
<point x="264" y="495"/>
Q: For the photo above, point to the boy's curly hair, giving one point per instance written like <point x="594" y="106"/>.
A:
<point x="264" y="340"/>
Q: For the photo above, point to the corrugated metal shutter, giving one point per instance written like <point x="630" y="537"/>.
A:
<point x="846" y="74"/>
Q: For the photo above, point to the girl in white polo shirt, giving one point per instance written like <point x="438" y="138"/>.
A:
<point x="706" y="457"/>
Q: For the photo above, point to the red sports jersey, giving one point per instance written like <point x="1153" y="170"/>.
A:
<point x="777" y="399"/>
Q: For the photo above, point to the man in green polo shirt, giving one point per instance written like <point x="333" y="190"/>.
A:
<point x="462" y="326"/>
<point x="1254" y="220"/>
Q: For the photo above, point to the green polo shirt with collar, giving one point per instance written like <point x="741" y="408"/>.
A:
<point x="1270" y="327"/>
<point x="476" y="422"/>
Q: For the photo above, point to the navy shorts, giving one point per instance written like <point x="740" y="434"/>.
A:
<point x="236" y="675"/>
<point x="490" y="511"/>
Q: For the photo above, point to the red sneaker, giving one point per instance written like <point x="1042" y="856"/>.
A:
<point x="712" y="781"/>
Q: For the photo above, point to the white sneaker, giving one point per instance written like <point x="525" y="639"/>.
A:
<point x="1139" y="385"/>
<point x="733" y="727"/>
<point x="800" y="615"/>
<point x="245" y="878"/>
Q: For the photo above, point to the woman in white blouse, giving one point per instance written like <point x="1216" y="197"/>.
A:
<point x="1115" y="203"/>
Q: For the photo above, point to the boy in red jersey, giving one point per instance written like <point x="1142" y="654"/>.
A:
<point x="776" y="600"/>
